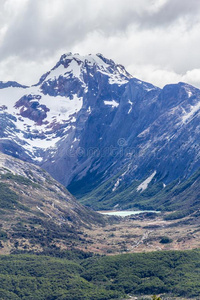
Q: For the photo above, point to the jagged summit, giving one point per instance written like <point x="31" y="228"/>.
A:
<point x="90" y="60"/>
<point x="78" y="66"/>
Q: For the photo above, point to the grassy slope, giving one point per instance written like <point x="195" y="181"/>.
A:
<point x="36" y="211"/>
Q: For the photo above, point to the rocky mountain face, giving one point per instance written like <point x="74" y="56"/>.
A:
<point x="36" y="211"/>
<point x="90" y="123"/>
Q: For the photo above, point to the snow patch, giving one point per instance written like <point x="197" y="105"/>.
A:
<point x="116" y="184"/>
<point x="89" y="110"/>
<point x="113" y="103"/>
<point x="116" y="79"/>
<point x="91" y="59"/>
<point x="121" y="178"/>
<point x="55" y="73"/>
<point x="61" y="108"/>
<point x="144" y="133"/>
<point x="193" y="110"/>
<point x="131" y="106"/>
<point x="189" y="94"/>
<point x="143" y="186"/>
<point x="61" y="111"/>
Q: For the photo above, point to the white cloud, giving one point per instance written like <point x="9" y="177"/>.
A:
<point x="156" y="40"/>
<point x="154" y="74"/>
<point x="192" y="77"/>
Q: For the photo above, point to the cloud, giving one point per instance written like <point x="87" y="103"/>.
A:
<point x="157" y="40"/>
<point x="44" y="26"/>
<point x="171" y="11"/>
<point x="157" y="56"/>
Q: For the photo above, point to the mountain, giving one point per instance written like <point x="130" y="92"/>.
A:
<point x="92" y="126"/>
<point x="36" y="211"/>
<point x="182" y="197"/>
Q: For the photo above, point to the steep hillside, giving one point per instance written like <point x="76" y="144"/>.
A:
<point x="36" y="211"/>
<point x="182" y="196"/>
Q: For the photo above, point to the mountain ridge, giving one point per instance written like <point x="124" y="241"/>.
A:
<point x="87" y="119"/>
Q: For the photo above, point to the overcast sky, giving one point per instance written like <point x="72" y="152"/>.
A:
<point x="156" y="40"/>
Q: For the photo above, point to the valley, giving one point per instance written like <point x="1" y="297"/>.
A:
<point x="90" y="137"/>
<point x="115" y="235"/>
<point x="49" y="240"/>
<point x="144" y="234"/>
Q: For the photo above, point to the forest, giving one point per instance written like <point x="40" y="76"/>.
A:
<point x="73" y="275"/>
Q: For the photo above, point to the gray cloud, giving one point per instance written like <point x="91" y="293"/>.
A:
<point x="171" y="11"/>
<point x="37" y="28"/>
<point x="162" y="35"/>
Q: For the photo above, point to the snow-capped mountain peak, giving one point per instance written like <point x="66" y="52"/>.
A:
<point x="45" y="113"/>
<point x="88" y="117"/>
<point x="76" y="66"/>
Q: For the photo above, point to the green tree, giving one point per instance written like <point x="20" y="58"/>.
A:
<point x="154" y="297"/>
